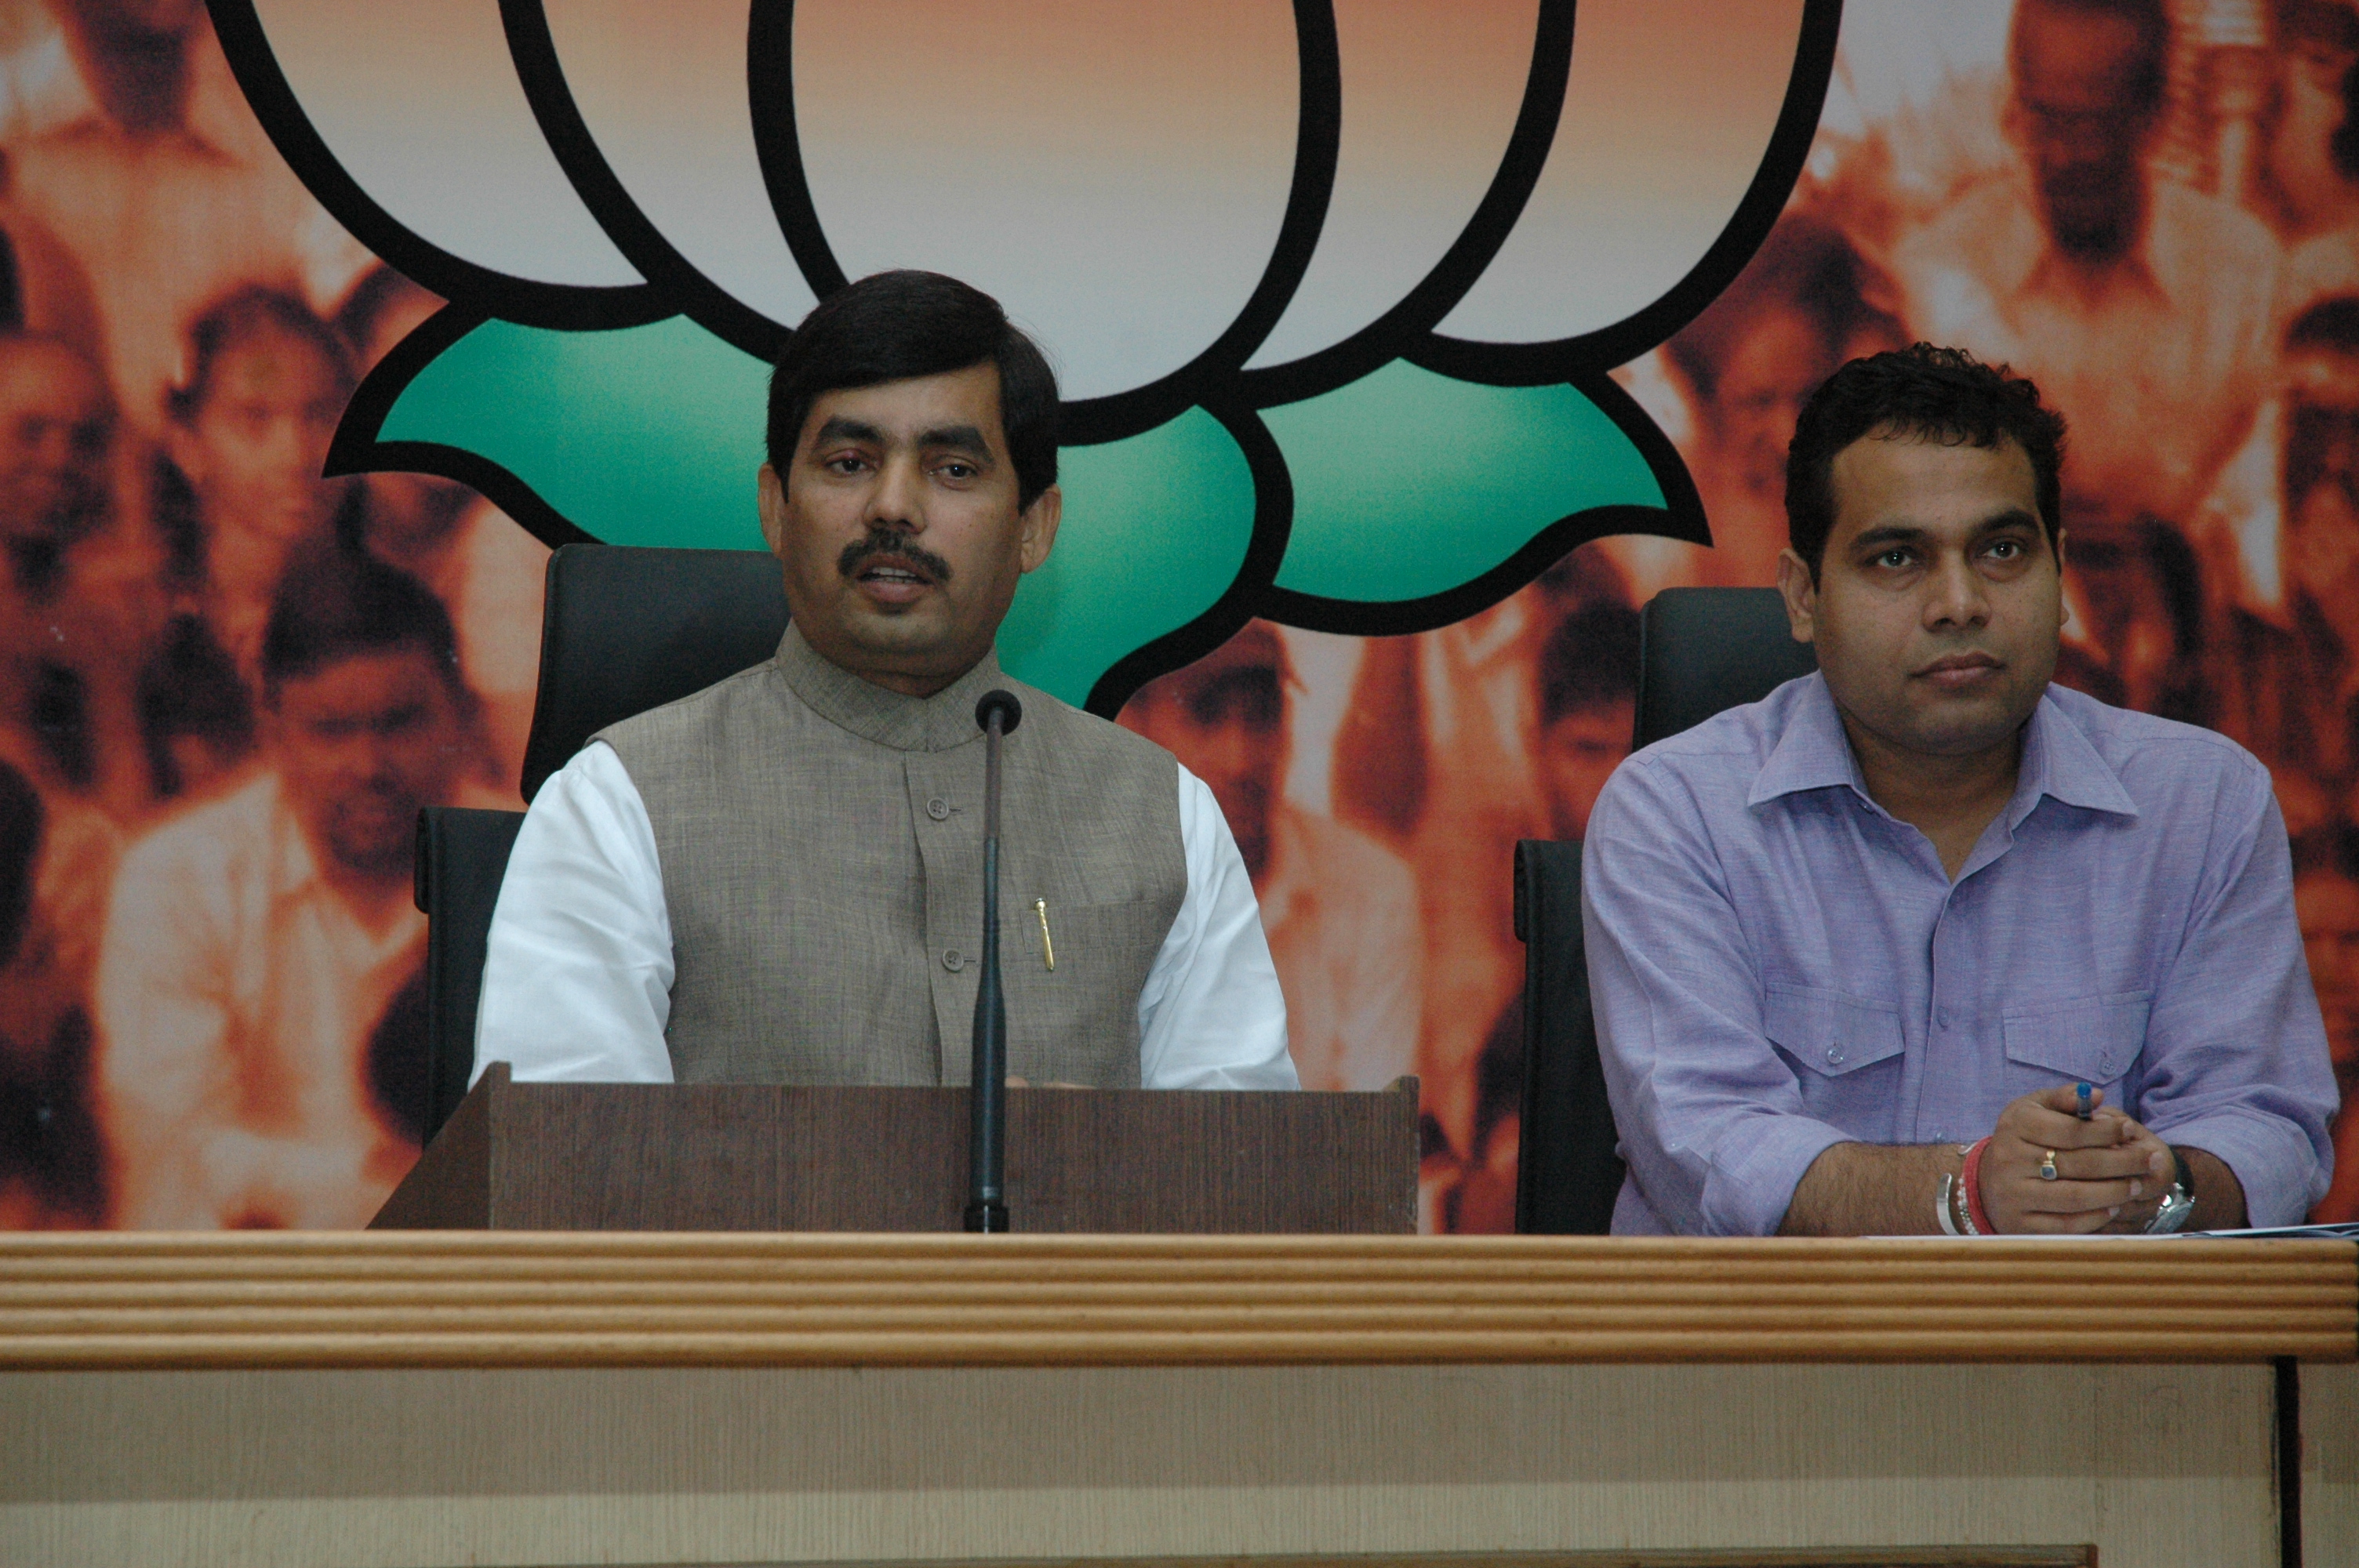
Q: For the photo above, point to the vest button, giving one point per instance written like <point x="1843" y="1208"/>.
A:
<point x="952" y="960"/>
<point x="939" y="810"/>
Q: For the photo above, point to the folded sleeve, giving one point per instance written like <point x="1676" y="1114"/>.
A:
<point x="1711" y="1119"/>
<point x="1211" y="1015"/>
<point x="2235" y="1061"/>
<point x="578" y="968"/>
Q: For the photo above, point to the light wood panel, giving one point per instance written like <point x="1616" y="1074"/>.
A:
<point x="511" y="1299"/>
<point x="2329" y="1464"/>
<point x="2158" y="1466"/>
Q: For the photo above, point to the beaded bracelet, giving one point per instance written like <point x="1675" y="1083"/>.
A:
<point x="1945" y="1207"/>
<point x="1978" y="1220"/>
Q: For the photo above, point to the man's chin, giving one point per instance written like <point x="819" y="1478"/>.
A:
<point x="1963" y="733"/>
<point x="375" y="859"/>
<point x="373" y="842"/>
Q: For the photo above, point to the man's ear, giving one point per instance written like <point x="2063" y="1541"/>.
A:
<point x="1037" y="527"/>
<point x="1801" y="595"/>
<point x="770" y="501"/>
<point x="2063" y="600"/>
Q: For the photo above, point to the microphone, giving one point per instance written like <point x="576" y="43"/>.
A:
<point x="997" y="714"/>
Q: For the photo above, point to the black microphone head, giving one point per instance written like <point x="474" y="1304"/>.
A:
<point x="1003" y="703"/>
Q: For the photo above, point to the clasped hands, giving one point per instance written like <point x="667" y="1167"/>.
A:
<point x="2111" y="1173"/>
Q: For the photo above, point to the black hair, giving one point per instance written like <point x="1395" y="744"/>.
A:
<point x="897" y="325"/>
<point x="1928" y="394"/>
<point x="337" y="603"/>
<point x="1807" y="264"/>
<point x="2332" y="848"/>
<point x="236" y="320"/>
<point x="190" y="686"/>
<point x="2329" y="324"/>
<point x="22" y="820"/>
<point x="1590" y="660"/>
<point x="2151" y="18"/>
<point x="364" y="307"/>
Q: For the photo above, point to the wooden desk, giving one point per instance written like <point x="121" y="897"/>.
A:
<point x="381" y="1398"/>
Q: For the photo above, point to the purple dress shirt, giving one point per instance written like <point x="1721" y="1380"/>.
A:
<point x="1778" y="965"/>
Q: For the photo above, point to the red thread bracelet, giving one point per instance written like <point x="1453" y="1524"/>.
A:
<point x="1972" y="1182"/>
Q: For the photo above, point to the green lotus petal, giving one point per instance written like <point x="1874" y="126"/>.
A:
<point x="1156" y="530"/>
<point x="646" y="436"/>
<point x="1409" y="485"/>
<point x="653" y="435"/>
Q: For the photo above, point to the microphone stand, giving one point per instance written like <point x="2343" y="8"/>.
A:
<point x="987" y="1193"/>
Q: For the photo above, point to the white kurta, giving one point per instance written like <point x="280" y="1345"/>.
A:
<point x="578" y="971"/>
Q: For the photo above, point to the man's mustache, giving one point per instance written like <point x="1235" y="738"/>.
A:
<point x="886" y="542"/>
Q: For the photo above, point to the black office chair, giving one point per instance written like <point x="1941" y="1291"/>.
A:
<point x="1700" y="649"/>
<point x="623" y="630"/>
<point x="461" y="855"/>
<point x="626" y="628"/>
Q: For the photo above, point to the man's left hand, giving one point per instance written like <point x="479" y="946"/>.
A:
<point x="2139" y="1212"/>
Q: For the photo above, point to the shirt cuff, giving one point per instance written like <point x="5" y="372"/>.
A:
<point x="1748" y="1194"/>
<point x="2273" y="1160"/>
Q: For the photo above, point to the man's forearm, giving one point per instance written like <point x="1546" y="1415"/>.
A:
<point x="2219" y="1195"/>
<point x="1869" y="1189"/>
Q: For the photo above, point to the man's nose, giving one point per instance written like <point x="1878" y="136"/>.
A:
<point x="1955" y="595"/>
<point x="897" y="500"/>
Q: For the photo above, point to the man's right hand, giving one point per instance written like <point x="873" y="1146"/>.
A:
<point x="2104" y="1165"/>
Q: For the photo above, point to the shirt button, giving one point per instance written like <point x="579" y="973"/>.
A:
<point x="1834" y="1056"/>
<point x="2106" y="1066"/>
<point x="953" y="959"/>
<point x="939" y="809"/>
<point x="1942" y="1018"/>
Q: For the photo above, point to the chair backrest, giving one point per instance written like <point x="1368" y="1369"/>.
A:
<point x="1700" y="651"/>
<point x="627" y="628"/>
<point x="1567" y="1174"/>
<point x="462" y="856"/>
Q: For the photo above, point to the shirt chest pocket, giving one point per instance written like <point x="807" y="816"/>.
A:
<point x="1828" y="1035"/>
<point x="2091" y="1040"/>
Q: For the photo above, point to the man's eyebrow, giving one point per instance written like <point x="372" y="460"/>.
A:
<point x="956" y="438"/>
<point x="839" y="428"/>
<point x="1871" y="540"/>
<point x="1875" y="539"/>
<point x="2012" y="517"/>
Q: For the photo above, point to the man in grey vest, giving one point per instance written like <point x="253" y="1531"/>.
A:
<point x="778" y="879"/>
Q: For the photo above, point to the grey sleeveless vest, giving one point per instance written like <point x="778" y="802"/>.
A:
<point x="822" y="846"/>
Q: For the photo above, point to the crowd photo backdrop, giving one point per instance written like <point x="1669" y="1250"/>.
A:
<point x="1410" y="346"/>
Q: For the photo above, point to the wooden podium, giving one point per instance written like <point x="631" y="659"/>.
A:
<point x="706" y="1157"/>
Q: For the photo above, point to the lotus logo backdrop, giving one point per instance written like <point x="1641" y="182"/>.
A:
<point x="1409" y="348"/>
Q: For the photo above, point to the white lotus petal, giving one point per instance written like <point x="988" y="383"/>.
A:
<point x="1668" y="112"/>
<point x="420" y="102"/>
<point x="664" y="94"/>
<point x="1430" y="94"/>
<point x="1115" y="174"/>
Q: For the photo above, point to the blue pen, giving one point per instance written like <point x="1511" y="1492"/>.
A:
<point x="2084" y="1109"/>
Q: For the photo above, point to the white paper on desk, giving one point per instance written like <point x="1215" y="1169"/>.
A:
<point x="2345" y="1232"/>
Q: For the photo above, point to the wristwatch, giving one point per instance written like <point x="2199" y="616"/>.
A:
<point x="2178" y="1203"/>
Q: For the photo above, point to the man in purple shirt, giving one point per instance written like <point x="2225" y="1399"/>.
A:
<point x="1877" y="934"/>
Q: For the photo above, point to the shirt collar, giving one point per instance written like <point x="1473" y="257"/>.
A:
<point x="2057" y="759"/>
<point x="2059" y="763"/>
<point x="1813" y="753"/>
<point x="935" y="723"/>
<point x="2026" y="261"/>
<point x="293" y="870"/>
